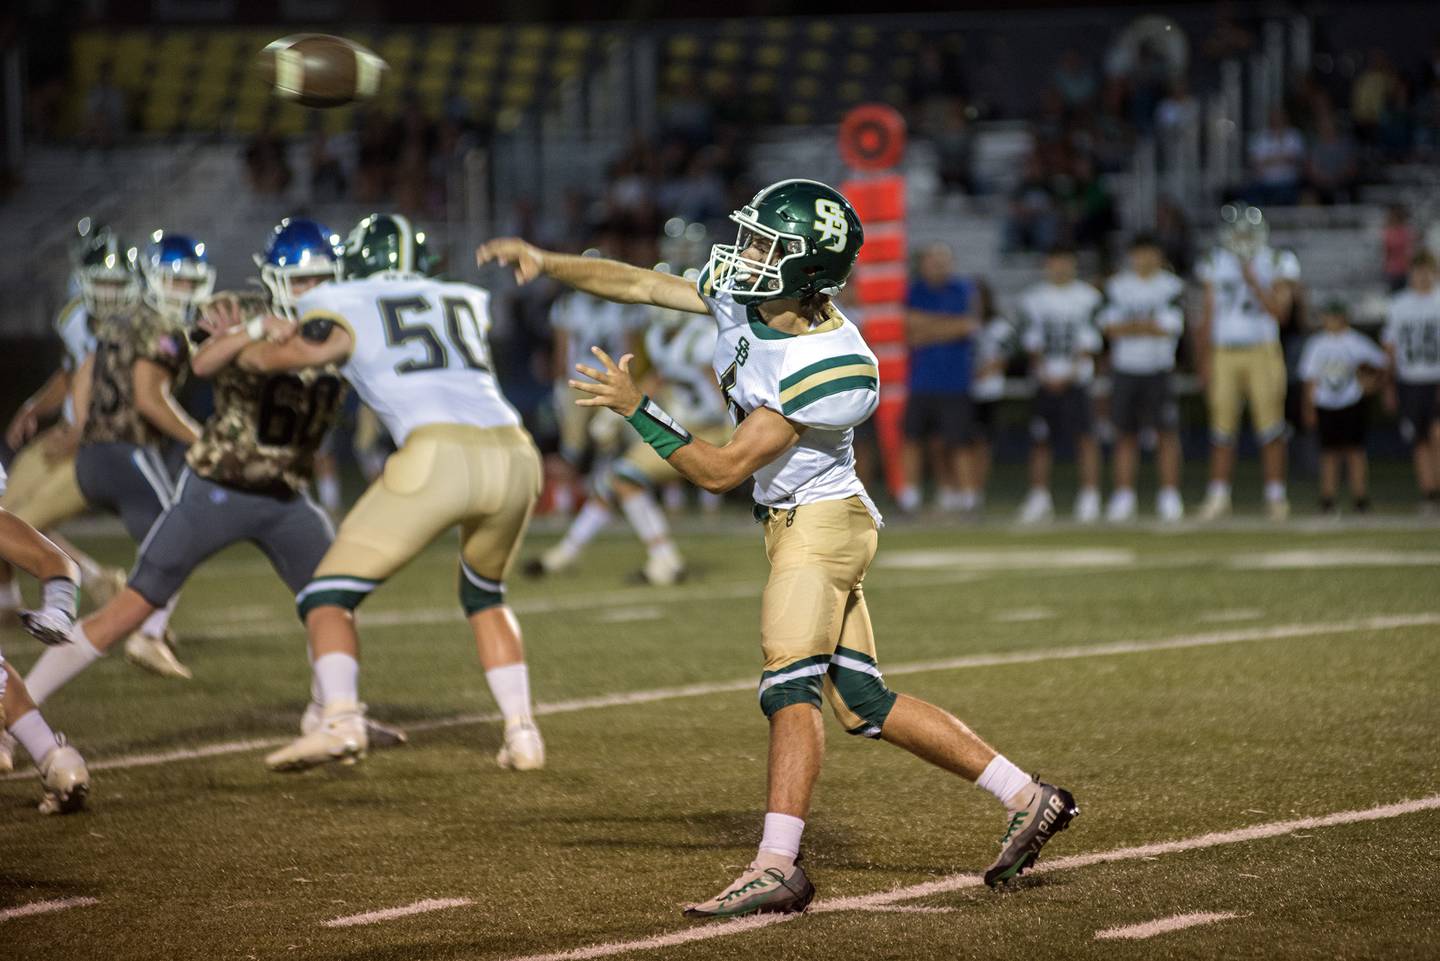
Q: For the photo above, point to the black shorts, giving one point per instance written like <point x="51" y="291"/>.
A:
<point x="1059" y="417"/>
<point x="1143" y="401"/>
<point x="983" y="414"/>
<point x="1344" y="427"/>
<point x="207" y="517"/>
<point x="1419" y="409"/>
<point x="125" y="479"/>
<point x="946" y="416"/>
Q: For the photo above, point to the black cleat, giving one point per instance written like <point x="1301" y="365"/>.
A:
<point x="1049" y="812"/>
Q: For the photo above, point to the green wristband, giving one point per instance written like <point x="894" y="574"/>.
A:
<point x="657" y="428"/>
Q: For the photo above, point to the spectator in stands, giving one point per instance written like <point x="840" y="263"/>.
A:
<point x="328" y="182"/>
<point x="941" y="318"/>
<point x="1034" y="221"/>
<point x="1058" y="332"/>
<point x="1172" y="231"/>
<point x="267" y="168"/>
<point x="1412" y="339"/>
<point x="1398" y="241"/>
<point x="1368" y="95"/>
<point x="1143" y="320"/>
<point x="1331" y="168"/>
<point x="1277" y="158"/>
<point x="1091" y="210"/>
<point x="1075" y="80"/>
<point x="107" y="116"/>
<point x="1177" y="113"/>
<point x="948" y="125"/>
<point x="1340" y="366"/>
<point x="378" y="150"/>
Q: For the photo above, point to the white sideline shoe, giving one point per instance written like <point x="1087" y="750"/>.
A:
<point x="524" y="749"/>
<point x="340" y="737"/>
<point x="379" y="735"/>
<point x="65" y="779"/>
<point x="1087" y="506"/>
<point x="1169" y="507"/>
<point x="1038" y="508"/>
<point x="1216" y="506"/>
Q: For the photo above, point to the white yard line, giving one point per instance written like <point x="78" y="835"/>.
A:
<point x="1176" y="922"/>
<point x="905" y="909"/>
<point x="629" y="698"/>
<point x="45" y="907"/>
<point x="390" y="914"/>
<point x="958" y="882"/>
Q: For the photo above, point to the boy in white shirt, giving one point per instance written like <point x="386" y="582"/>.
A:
<point x="1338" y="365"/>
<point x="1412" y="338"/>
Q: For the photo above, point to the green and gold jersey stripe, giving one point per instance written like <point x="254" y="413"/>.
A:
<point x="829" y="376"/>
<point x="830" y="363"/>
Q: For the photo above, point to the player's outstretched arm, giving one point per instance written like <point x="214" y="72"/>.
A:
<point x="315" y="342"/>
<point x="155" y="402"/>
<point x="43" y="403"/>
<point x="761" y="437"/>
<point x="609" y="279"/>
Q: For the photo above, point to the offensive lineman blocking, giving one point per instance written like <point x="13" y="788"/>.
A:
<point x="798" y="377"/>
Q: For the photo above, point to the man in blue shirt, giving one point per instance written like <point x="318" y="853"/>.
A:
<point x="941" y="319"/>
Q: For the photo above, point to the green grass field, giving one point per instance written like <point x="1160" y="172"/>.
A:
<point x="1183" y="684"/>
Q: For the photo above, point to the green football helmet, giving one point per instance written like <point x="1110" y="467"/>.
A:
<point x="387" y="244"/>
<point x="797" y="239"/>
<point x="106" y="273"/>
<point x="1243" y="230"/>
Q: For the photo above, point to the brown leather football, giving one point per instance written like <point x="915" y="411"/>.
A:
<point x="318" y="70"/>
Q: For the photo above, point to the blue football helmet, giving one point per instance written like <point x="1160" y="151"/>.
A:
<point x="177" y="274"/>
<point x="298" y="249"/>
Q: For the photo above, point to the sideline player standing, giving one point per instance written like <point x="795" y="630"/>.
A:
<point x="1143" y="319"/>
<point x="1249" y="289"/>
<point x="415" y="349"/>
<point x="1412" y="338"/>
<point x="798" y="377"/>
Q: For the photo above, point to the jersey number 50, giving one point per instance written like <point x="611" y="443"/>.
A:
<point x="462" y="330"/>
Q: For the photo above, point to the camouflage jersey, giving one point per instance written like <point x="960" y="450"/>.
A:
<point x="266" y="429"/>
<point x="120" y="341"/>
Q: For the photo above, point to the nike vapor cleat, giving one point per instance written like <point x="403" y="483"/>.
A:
<point x="1050" y="811"/>
<point x="380" y="736"/>
<point x="155" y="655"/>
<point x="49" y="627"/>
<point x="65" y="779"/>
<point x="759" y="891"/>
<point x="340" y="737"/>
<point x="524" y="749"/>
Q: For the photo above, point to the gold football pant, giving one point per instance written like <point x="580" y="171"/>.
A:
<point x="814" y="628"/>
<point x="42" y="492"/>
<point x="483" y="480"/>
<point x="1253" y="375"/>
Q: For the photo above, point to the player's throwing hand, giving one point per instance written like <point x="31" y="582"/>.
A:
<point x="612" y="387"/>
<point x="527" y="259"/>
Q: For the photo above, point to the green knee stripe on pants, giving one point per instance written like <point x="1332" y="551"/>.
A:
<point x="798" y="683"/>
<point x="859" y="684"/>
<point x="478" y="593"/>
<point x="329" y="598"/>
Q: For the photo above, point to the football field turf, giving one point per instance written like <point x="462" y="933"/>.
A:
<point x="1249" y="719"/>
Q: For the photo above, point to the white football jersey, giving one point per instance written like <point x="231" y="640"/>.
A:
<point x="73" y="326"/>
<point x="1130" y="297"/>
<point x="1239" y="320"/>
<point x="1060" y="327"/>
<point x="421" y="353"/>
<point x="590" y="321"/>
<point x="1412" y="328"/>
<point x="827" y="381"/>
<point x="996" y="341"/>
<point x="681" y="352"/>
<point x="1332" y="360"/>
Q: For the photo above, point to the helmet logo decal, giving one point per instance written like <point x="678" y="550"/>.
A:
<point x="830" y="221"/>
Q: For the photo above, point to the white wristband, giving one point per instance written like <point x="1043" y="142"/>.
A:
<point x="255" y="327"/>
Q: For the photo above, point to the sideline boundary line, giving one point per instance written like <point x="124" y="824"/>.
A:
<point x="629" y="698"/>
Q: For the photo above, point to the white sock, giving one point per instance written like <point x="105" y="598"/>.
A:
<point x="159" y="619"/>
<point x="1218" y="489"/>
<point x="782" y="836"/>
<point x="59" y="665"/>
<point x="34" y="735"/>
<point x="908" y="498"/>
<point x="338" y="676"/>
<point x="328" y="490"/>
<point x="590" y="521"/>
<point x="510" y="686"/>
<point x="1003" y="779"/>
<point x="647" y="518"/>
<point x="10" y="594"/>
<point x="1274" y="491"/>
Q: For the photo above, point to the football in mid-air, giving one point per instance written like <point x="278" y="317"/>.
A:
<point x="318" y="70"/>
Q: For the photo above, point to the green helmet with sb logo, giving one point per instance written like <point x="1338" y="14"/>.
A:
<point x="387" y="244"/>
<point x="797" y="239"/>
